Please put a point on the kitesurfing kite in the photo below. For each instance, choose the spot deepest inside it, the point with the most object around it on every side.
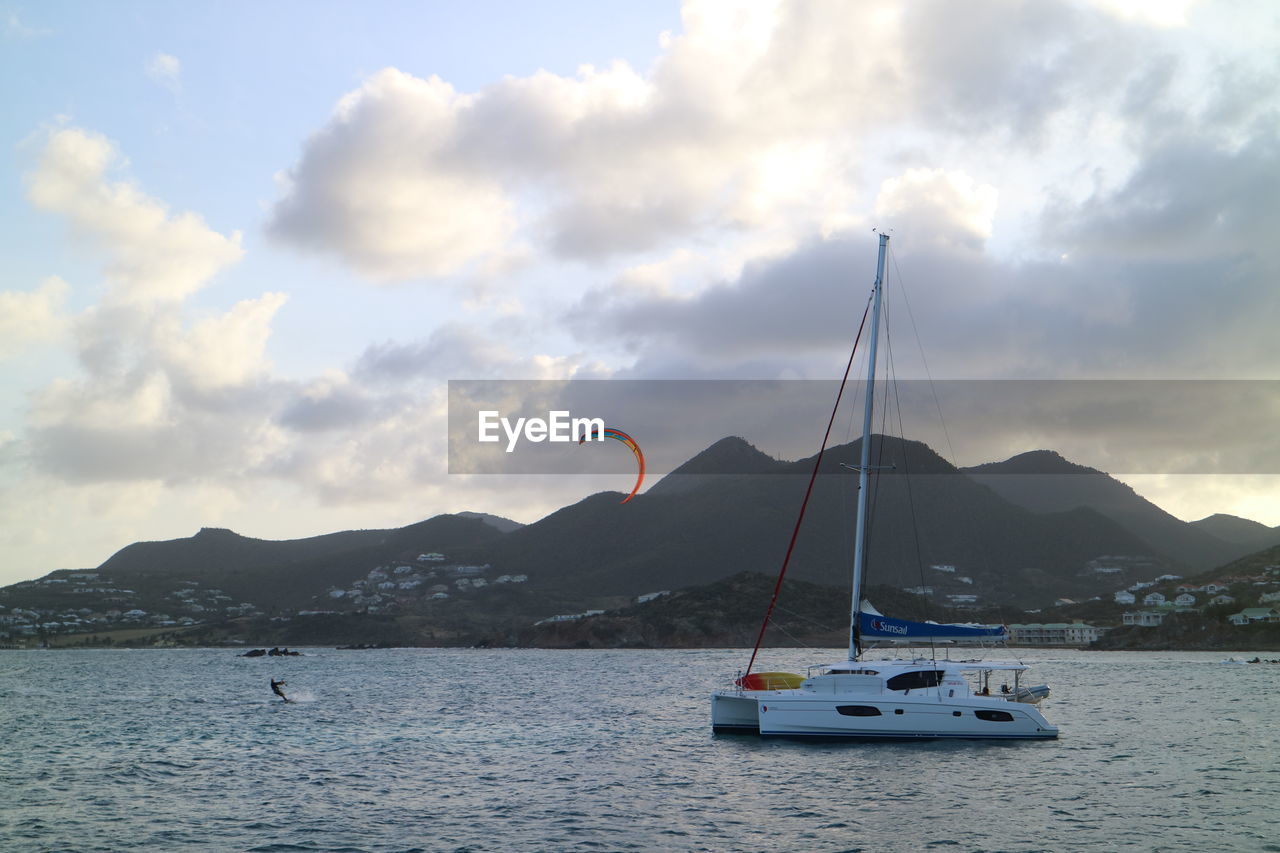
(619, 435)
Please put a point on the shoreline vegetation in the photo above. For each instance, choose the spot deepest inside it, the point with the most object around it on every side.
(1187, 633)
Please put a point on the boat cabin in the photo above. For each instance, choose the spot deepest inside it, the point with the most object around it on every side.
(947, 678)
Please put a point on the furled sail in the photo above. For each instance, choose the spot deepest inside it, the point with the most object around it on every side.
(873, 626)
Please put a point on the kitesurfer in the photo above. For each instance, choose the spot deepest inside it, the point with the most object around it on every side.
(275, 688)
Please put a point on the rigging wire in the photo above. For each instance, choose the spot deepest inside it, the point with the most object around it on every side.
(906, 468)
(823, 626)
(795, 533)
(979, 542)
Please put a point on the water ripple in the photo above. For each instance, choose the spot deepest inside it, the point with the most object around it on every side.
(400, 751)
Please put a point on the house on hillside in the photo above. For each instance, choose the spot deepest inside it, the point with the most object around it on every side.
(1185, 600)
(1125, 597)
(1225, 599)
(1255, 614)
(1153, 598)
(1144, 618)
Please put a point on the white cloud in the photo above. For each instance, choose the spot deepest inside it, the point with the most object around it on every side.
(1162, 13)
(15, 28)
(367, 187)
(945, 208)
(32, 316)
(411, 178)
(221, 352)
(154, 256)
(768, 118)
(158, 397)
(166, 71)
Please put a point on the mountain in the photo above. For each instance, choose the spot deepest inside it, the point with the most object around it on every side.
(502, 525)
(732, 455)
(926, 512)
(287, 573)
(1044, 482)
(1017, 534)
(1243, 531)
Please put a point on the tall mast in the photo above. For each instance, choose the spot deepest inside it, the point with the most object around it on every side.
(864, 465)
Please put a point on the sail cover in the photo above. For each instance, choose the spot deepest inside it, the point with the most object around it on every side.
(873, 626)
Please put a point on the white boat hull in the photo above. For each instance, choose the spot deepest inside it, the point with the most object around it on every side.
(734, 713)
(804, 714)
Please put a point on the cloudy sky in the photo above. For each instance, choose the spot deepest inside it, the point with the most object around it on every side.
(246, 245)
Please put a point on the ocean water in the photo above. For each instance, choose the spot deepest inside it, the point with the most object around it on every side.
(479, 750)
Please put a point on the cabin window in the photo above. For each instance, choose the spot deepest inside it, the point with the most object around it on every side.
(897, 710)
(915, 680)
(854, 672)
(955, 713)
(858, 710)
(994, 716)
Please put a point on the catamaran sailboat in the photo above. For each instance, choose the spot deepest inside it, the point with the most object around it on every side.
(903, 699)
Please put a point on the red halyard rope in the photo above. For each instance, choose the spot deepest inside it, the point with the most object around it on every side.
(817, 463)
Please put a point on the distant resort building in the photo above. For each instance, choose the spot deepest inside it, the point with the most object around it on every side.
(1145, 618)
(1125, 597)
(1054, 634)
(1153, 598)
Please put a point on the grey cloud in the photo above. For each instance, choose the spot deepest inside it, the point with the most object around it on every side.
(1096, 315)
(192, 451)
(451, 350)
(1189, 198)
(334, 409)
(979, 67)
(803, 300)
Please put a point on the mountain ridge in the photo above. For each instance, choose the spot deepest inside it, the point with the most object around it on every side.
(958, 533)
